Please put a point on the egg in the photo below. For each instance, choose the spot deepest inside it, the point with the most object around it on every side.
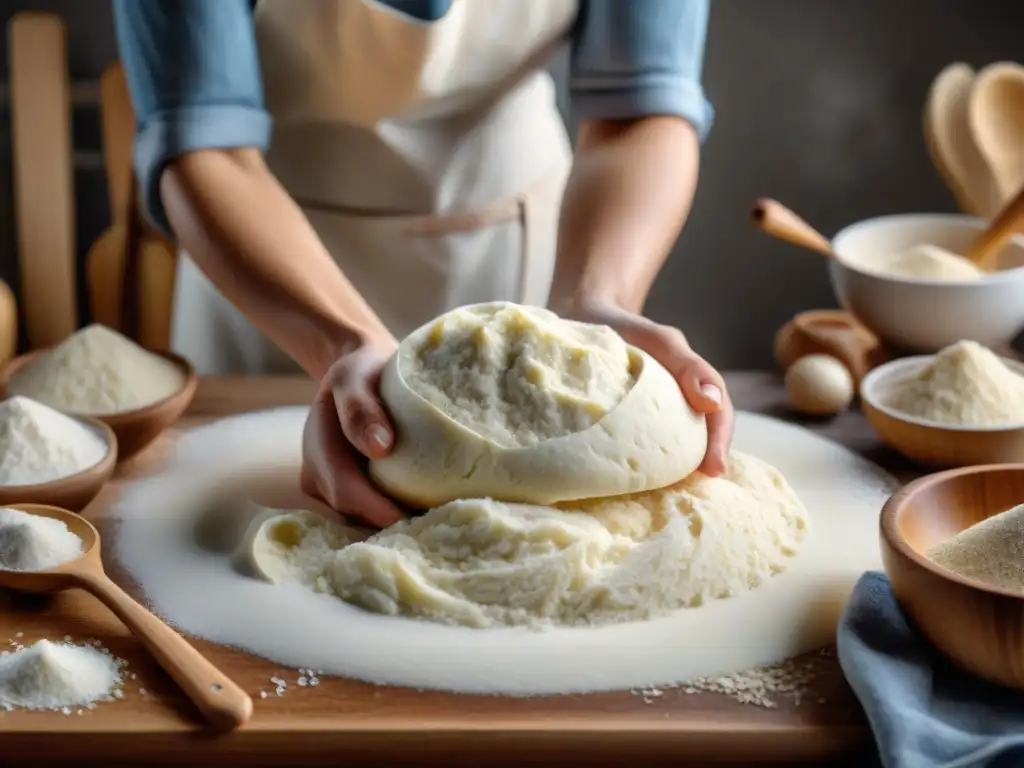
(819, 385)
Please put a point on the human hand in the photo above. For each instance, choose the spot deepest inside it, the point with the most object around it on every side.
(347, 424)
(701, 384)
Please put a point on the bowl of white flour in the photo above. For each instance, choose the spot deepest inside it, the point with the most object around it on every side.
(961, 407)
(48, 457)
(905, 278)
(99, 373)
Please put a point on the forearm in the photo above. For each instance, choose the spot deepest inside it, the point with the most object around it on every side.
(256, 246)
(626, 201)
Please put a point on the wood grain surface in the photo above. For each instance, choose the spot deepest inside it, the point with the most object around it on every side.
(343, 722)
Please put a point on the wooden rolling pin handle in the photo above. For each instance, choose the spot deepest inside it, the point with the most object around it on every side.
(780, 222)
(222, 702)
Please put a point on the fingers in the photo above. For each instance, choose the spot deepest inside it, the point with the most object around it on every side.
(348, 492)
(359, 411)
(720, 428)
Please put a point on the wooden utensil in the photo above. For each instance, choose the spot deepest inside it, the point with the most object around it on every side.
(996, 119)
(158, 266)
(134, 429)
(985, 636)
(76, 491)
(8, 323)
(105, 261)
(781, 223)
(986, 249)
(43, 179)
(222, 702)
(951, 144)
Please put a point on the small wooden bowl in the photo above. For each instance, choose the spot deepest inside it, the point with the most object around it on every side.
(134, 429)
(932, 443)
(980, 628)
(75, 491)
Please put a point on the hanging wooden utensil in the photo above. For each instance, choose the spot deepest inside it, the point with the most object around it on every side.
(43, 176)
(106, 259)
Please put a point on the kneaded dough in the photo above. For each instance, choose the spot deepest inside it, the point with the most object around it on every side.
(482, 563)
(513, 403)
(292, 546)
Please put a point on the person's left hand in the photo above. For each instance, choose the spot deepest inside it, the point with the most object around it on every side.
(701, 384)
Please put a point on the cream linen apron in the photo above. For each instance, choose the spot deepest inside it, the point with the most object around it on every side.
(429, 157)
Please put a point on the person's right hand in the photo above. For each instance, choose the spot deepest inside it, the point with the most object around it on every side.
(346, 423)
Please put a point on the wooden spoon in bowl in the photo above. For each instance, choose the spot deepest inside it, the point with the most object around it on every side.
(985, 250)
(781, 223)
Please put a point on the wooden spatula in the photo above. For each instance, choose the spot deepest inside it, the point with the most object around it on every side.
(985, 250)
(43, 177)
(106, 259)
(996, 114)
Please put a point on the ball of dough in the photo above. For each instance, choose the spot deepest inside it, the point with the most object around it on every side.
(819, 385)
(513, 403)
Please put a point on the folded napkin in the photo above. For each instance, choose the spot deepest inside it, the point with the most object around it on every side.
(924, 712)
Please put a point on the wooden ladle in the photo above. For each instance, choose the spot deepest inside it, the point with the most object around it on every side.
(985, 250)
(952, 147)
(222, 702)
(996, 119)
(781, 223)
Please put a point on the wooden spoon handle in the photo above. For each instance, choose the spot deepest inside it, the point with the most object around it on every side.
(1007, 222)
(780, 222)
(222, 702)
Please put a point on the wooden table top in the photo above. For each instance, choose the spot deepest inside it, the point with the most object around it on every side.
(361, 724)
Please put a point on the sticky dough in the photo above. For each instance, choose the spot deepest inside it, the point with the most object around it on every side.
(513, 403)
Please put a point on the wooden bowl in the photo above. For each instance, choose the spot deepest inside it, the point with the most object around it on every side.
(980, 628)
(933, 443)
(75, 491)
(134, 429)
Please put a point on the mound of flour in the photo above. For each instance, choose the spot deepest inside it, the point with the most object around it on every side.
(39, 444)
(56, 676)
(966, 384)
(34, 543)
(97, 371)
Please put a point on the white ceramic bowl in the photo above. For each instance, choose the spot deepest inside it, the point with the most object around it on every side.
(925, 315)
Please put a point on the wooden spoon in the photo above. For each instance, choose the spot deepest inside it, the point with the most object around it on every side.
(951, 144)
(996, 119)
(985, 250)
(222, 702)
(106, 258)
(43, 180)
(781, 223)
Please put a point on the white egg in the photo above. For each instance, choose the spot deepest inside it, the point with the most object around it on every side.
(819, 385)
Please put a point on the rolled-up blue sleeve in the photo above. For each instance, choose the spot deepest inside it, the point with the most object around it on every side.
(193, 72)
(635, 58)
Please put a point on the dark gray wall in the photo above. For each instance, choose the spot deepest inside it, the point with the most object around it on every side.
(818, 104)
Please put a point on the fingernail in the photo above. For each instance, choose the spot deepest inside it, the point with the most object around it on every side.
(711, 392)
(379, 437)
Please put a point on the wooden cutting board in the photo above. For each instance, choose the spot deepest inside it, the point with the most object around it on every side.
(43, 177)
(354, 722)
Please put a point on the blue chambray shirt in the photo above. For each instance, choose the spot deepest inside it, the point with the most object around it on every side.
(194, 74)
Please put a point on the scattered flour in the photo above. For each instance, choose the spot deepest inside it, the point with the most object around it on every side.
(521, 375)
(58, 676)
(39, 444)
(991, 551)
(97, 371)
(480, 563)
(966, 385)
(924, 261)
(33, 542)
